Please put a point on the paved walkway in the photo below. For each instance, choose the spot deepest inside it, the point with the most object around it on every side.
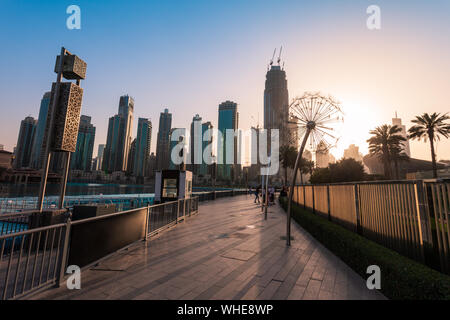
(227, 251)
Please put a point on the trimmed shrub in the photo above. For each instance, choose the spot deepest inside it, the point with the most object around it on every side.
(401, 277)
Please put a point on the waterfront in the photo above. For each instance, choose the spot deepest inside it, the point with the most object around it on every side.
(73, 189)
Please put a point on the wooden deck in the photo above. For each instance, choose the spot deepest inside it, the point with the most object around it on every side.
(227, 251)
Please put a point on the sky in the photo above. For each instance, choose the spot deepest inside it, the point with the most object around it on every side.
(189, 56)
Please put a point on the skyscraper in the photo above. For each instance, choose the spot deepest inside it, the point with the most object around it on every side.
(118, 141)
(174, 141)
(228, 119)
(162, 143)
(196, 143)
(25, 142)
(37, 154)
(142, 148)
(398, 122)
(100, 151)
(81, 159)
(276, 105)
(208, 140)
(131, 157)
(353, 152)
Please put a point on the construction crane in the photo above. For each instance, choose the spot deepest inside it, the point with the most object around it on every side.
(279, 56)
(273, 56)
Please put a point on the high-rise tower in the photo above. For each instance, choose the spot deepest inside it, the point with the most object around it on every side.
(142, 148)
(37, 154)
(24, 143)
(398, 122)
(276, 104)
(228, 119)
(118, 141)
(162, 143)
(81, 159)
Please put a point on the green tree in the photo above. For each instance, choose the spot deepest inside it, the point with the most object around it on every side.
(345, 170)
(306, 166)
(288, 155)
(430, 127)
(320, 175)
(384, 140)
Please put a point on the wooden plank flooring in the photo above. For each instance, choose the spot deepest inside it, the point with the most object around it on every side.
(227, 251)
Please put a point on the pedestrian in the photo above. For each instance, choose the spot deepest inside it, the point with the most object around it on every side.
(257, 194)
(272, 195)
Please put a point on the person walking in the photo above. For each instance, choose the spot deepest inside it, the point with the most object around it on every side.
(257, 194)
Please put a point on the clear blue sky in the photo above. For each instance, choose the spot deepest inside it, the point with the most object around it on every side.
(191, 55)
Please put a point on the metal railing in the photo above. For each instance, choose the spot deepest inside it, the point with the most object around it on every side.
(30, 260)
(438, 195)
(408, 216)
(34, 259)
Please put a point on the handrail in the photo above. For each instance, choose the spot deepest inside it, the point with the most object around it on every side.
(35, 230)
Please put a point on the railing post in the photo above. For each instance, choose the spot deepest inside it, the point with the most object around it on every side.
(147, 218)
(178, 210)
(328, 202)
(423, 217)
(65, 253)
(313, 200)
(357, 211)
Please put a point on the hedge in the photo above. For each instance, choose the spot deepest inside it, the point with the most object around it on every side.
(401, 277)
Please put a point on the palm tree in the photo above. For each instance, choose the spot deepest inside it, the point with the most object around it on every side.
(384, 140)
(288, 155)
(397, 155)
(430, 126)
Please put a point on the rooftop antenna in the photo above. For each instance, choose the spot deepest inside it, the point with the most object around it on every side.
(279, 56)
(396, 114)
(273, 56)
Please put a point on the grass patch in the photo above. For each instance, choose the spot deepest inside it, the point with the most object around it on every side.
(401, 277)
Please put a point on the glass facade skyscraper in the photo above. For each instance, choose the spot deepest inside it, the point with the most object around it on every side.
(37, 154)
(162, 143)
(142, 148)
(24, 143)
(118, 141)
(81, 159)
(228, 119)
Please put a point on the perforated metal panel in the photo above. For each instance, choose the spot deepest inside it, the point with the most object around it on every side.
(67, 117)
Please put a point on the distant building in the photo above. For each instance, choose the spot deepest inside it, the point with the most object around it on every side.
(2, 147)
(37, 152)
(323, 156)
(118, 142)
(142, 148)
(276, 105)
(398, 122)
(228, 119)
(196, 144)
(81, 159)
(162, 143)
(151, 166)
(208, 141)
(25, 143)
(131, 157)
(353, 152)
(6, 158)
(100, 151)
(174, 141)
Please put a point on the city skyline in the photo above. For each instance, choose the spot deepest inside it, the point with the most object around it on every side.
(383, 76)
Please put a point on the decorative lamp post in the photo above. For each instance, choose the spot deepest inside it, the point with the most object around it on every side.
(63, 117)
(318, 118)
